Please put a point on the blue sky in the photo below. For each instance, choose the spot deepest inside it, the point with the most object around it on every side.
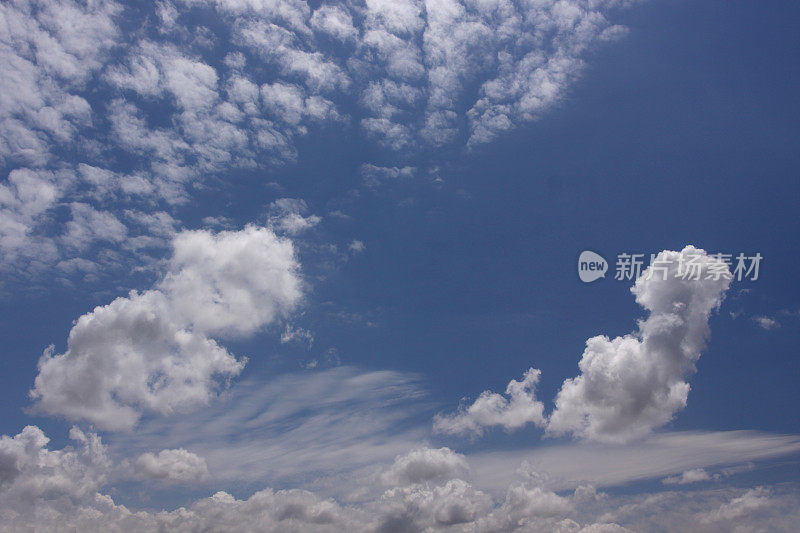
(346, 221)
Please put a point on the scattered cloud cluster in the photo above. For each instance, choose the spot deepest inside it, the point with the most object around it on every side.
(152, 351)
(628, 385)
(108, 107)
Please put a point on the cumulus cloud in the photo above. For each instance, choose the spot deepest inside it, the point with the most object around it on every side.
(179, 466)
(232, 283)
(149, 351)
(425, 465)
(751, 502)
(30, 472)
(492, 409)
(632, 384)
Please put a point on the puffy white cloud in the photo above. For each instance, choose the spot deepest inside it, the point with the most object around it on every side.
(29, 471)
(177, 465)
(429, 507)
(149, 351)
(524, 506)
(492, 409)
(127, 357)
(632, 384)
(751, 502)
(232, 283)
(425, 465)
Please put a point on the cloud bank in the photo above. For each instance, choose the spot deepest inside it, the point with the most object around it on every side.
(425, 489)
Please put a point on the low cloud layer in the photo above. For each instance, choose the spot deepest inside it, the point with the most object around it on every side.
(426, 489)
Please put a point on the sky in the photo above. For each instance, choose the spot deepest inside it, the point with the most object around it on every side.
(276, 265)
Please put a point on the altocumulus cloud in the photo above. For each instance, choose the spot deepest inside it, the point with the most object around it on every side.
(628, 385)
(151, 351)
(406, 74)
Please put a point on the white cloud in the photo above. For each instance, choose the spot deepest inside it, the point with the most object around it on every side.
(492, 409)
(632, 384)
(30, 472)
(412, 68)
(291, 334)
(232, 283)
(695, 475)
(294, 427)
(334, 21)
(749, 503)
(571, 464)
(374, 176)
(149, 351)
(24, 200)
(286, 215)
(89, 225)
(50, 49)
(127, 357)
(424, 489)
(766, 323)
(425, 465)
(356, 246)
(178, 466)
